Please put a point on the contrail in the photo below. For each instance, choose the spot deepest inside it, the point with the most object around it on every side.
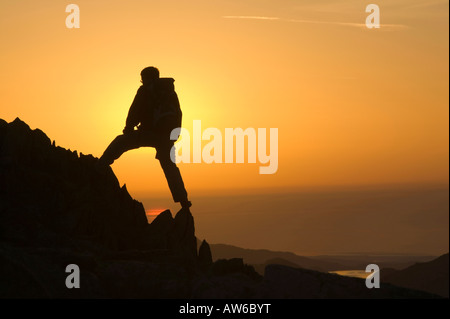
(348, 24)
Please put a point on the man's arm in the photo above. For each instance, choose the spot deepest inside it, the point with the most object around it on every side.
(133, 114)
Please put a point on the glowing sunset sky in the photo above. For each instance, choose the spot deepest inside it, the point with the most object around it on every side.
(352, 105)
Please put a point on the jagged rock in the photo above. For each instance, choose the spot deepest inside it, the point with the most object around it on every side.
(204, 255)
(185, 232)
(54, 190)
(177, 234)
(235, 265)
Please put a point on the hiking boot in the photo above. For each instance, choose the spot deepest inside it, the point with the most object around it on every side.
(186, 204)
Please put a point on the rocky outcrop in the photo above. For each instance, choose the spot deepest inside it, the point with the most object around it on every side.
(204, 255)
(58, 207)
(48, 192)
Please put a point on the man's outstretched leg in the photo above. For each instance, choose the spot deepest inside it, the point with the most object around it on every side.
(120, 145)
(173, 176)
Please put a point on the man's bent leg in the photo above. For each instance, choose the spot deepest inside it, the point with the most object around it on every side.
(120, 145)
(173, 176)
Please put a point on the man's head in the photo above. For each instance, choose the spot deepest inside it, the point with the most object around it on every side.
(149, 74)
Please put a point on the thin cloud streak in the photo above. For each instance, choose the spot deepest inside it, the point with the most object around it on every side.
(348, 24)
(251, 17)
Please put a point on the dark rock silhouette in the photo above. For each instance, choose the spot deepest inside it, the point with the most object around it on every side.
(66, 194)
(59, 208)
(204, 255)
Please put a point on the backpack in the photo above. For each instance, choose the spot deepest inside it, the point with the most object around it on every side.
(167, 113)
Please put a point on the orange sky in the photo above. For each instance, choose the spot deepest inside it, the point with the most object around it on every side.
(352, 105)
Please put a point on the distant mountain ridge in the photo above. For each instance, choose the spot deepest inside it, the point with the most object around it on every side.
(320, 263)
(262, 256)
(431, 276)
(58, 207)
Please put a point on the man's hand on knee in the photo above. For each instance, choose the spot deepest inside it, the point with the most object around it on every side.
(128, 130)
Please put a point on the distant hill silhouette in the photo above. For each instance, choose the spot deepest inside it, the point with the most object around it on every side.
(263, 256)
(58, 207)
(260, 257)
(261, 268)
(430, 276)
(360, 261)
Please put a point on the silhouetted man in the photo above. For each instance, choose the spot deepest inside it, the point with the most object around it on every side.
(155, 112)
